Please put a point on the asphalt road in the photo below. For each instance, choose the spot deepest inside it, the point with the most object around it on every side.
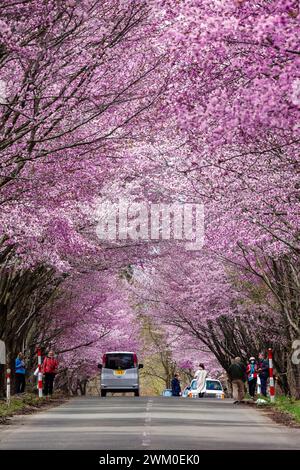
(147, 423)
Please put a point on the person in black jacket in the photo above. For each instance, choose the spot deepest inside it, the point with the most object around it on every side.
(263, 372)
(175, 384)
(237, 376)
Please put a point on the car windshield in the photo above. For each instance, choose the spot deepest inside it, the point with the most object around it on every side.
(213, 385)
(119, 361)
(194, 385)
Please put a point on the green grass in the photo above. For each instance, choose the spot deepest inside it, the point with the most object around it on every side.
(288, 405)
(19, 404)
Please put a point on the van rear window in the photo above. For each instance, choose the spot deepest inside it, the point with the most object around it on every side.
(119, 361)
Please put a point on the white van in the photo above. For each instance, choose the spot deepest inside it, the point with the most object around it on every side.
(120, 372)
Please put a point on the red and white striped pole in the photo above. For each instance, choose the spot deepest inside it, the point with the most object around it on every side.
(8, 386)
(40, 374)
(272, 384)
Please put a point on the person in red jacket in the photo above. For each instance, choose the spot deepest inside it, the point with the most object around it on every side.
(252, 376)
(49, 369)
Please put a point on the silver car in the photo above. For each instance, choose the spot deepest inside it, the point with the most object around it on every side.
(120, 372)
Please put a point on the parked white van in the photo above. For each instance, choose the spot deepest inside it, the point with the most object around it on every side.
(120, 372)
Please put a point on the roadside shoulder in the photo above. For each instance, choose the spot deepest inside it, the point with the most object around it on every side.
(27, 404)
(285, 410)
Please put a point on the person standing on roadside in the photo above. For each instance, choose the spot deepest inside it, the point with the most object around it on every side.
(20, 372)
(175, 384)
(237, 377)
(200, 376)
(263, 372)
(49, 369)
(252, 376)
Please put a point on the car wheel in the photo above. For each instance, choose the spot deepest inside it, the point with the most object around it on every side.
(136, 393)
(103, 393)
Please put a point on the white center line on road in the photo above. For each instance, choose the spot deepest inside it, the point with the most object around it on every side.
(146, 441)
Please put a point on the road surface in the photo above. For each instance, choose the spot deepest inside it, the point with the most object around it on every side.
(147, 423)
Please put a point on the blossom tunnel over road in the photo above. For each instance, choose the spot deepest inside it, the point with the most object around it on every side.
(141, 104)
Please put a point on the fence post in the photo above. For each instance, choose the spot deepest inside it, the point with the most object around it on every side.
(272, 384)
(8, 386)
(40, 375)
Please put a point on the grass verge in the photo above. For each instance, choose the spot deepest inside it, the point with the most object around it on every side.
(284, 410)
(26, 404)
(289, 406)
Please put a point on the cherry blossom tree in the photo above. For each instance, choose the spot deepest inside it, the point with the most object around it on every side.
(150, 101)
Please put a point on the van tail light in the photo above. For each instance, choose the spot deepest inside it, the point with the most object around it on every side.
(135, 361)
(104, 360)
